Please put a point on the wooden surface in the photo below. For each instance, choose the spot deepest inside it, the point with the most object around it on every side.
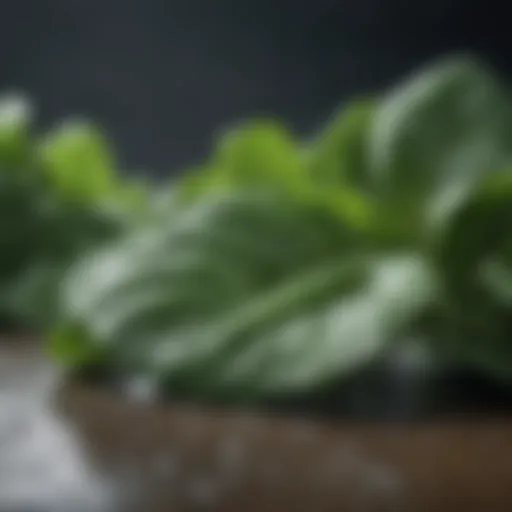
(62, 445)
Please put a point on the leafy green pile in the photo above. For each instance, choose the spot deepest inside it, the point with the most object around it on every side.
(279, 265)
(60, 195)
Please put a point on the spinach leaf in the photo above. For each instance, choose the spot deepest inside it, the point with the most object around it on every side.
(278, 264)
(473, 259)
(265, 157)
(339, 155)
(261, 154)
(245, 294)
(437, 133)
(58, 198)
(78, 161)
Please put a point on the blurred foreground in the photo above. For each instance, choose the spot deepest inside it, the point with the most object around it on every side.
(77, 448)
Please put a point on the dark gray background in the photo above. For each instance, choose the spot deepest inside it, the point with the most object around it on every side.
(161, 75)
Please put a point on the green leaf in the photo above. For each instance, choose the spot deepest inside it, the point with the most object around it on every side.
(33, 296)
(497, 276)
(264, 156)
(338, 156)
(255, 156)
(58, 235)
(345, 333)
(444, 127)
(70, 343)
(59, 197)
(79, 162)
(477, 230)
(338, 168)
(245, 295)
(260, 153)
(471, 254)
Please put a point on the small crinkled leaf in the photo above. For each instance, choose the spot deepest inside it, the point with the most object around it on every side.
(78, 161)
(214, 300)
(260, 153)
(253, 157)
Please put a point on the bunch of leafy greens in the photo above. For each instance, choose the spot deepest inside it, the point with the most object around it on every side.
(279, 265)
(60, 196)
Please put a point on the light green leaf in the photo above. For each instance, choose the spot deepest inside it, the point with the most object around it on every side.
(264, 156)
(255, 156)
(79, 162)
(260, 153)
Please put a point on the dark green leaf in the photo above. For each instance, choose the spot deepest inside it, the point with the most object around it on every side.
(444, 127)
(472, 252)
